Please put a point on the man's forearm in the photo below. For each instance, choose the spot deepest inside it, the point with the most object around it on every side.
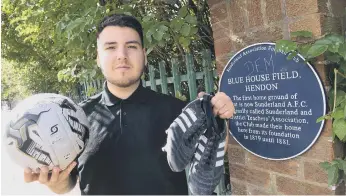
(65, 186)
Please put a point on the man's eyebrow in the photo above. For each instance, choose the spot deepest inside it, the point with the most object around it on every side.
(110, 43)
(128, 42)
(134, 42)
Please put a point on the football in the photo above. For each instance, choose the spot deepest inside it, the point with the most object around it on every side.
(45, 130)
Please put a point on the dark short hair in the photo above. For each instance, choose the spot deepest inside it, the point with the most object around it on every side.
(121, 20)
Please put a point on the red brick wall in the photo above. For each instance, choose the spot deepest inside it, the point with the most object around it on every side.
(239, 23)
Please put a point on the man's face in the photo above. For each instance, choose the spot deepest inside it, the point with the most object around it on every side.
(120, 55)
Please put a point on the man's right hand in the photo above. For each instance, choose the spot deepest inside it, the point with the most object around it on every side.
(59, 181)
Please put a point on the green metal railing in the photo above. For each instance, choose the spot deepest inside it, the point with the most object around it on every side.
(191, 77)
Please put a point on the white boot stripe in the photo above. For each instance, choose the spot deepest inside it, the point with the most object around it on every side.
(198, 156)
(222, 144)
(220, 153)
(204, 139)
(219, 163)
(192, 115)
(181, 125)
(187, 121)
(201, 148)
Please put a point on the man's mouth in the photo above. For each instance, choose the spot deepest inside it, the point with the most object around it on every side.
(122, 67)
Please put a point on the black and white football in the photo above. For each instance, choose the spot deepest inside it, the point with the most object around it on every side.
(46, 129)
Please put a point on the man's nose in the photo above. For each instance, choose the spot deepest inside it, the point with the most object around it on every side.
(121, 53)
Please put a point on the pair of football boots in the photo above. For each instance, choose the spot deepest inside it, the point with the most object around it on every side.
(196, 139)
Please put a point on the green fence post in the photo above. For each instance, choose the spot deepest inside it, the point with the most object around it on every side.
(85, 88)
(93, 85)
(152, 78)
(102, 82)
(163, 77)
(208, 73)
(99, 86)
(176, 77)
(191, 77)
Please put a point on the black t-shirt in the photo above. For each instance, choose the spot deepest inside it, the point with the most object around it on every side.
(123, 154)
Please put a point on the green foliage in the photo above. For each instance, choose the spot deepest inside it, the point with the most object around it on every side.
(60, 36)
(333, 169)
(332, 43)
(306, 34)
(285, 46)
(18, 82)
(181, 96)
(8, 86)
(91, 91)
(339, 128)
(333, 48)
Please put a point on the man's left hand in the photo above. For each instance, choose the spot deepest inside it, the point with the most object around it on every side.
(222, 105)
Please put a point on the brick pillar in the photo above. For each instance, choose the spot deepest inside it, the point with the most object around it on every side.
(239, 23)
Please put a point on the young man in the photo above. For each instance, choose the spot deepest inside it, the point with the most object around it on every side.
(127, 124)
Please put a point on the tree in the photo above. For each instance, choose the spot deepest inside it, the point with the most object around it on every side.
(58, 38)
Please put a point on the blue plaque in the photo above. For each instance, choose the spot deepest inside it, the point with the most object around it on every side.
(277, 102)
